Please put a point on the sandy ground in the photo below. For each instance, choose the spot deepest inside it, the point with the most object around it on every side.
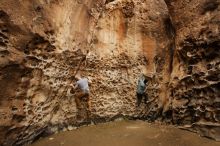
(126, 133)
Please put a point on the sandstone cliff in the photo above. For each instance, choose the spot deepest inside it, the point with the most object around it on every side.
(44, 43)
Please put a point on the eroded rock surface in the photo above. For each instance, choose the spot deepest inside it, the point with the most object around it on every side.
(44, 43)
(195, 80)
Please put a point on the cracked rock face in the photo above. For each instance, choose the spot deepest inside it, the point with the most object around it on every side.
(44, 43)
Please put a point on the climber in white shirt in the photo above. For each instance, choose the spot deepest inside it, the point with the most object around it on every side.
(82, 99)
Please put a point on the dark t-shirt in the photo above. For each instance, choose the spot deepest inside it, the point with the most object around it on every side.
(141, 86)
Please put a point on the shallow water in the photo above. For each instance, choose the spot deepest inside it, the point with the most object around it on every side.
(126, 133)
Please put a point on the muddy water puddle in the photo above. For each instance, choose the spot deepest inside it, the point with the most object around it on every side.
(126, 133)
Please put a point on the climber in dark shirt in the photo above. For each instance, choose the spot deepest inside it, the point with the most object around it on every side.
(141, 86)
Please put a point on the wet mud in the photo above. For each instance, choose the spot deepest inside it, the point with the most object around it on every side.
(126, 133)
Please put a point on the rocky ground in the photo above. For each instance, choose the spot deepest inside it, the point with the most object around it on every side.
(44, 43)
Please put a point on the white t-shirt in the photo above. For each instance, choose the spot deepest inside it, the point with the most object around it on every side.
(83, 85)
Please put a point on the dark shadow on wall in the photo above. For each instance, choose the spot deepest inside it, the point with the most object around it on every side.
(210, 5)
(171, 33)
(108, 1)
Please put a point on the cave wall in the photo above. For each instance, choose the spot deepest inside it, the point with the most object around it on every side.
(194, 86)
(43, 44)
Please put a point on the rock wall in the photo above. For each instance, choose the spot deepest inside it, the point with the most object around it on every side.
(195, 78)
(44, 43)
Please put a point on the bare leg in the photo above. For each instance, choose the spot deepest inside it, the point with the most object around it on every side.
(88, 106)
(78, 97)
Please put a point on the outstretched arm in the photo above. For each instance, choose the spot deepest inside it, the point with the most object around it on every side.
(75, 86)
(89, 80)
(73, 89)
